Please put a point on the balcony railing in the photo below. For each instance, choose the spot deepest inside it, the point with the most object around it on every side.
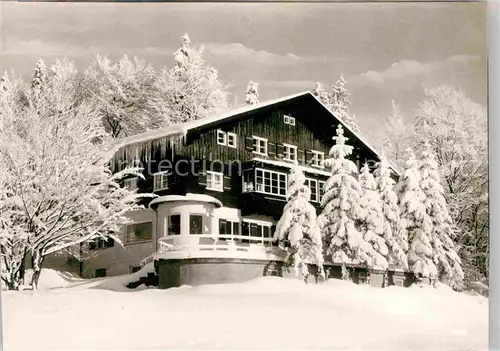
(215, 246)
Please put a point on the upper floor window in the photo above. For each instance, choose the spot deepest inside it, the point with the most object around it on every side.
(321, 186)
(290, 152)
(215, 181)
(270, 182)
(139, 232)
(260, 145)
(231, 140)
(318, 158)
(130, 183)
(289, 120)
(221, 137)
(160, 181)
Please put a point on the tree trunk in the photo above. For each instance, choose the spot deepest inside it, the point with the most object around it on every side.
(36, 261)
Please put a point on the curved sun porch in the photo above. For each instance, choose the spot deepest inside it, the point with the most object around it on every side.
(187, 226)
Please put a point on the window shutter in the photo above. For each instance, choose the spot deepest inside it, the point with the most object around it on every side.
(309, 156)
(248, 144)
(280, 150)
(300, 156)
(271, 149)
(202, 179)
(227, 183)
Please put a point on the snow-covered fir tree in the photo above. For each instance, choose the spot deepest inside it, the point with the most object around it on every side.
(342, 214)
(396, 237)
(444, 248)
(39, 76)
(321, 94)
(191, 90)
(339, 102)
(415, 220)
(57, 189)
(252, 93)
(298, 229)
(373, 224)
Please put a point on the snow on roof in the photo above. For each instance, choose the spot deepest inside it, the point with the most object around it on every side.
(179, 131)
(187, 197)
(290, 165)
(182, 128)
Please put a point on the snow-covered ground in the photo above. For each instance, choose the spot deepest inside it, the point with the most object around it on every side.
(69, 313)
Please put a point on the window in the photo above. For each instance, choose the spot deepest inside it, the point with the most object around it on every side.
(100, 272)
(289, 120)
(215, 181)
(321, 185)
(174, 225)
(195, 224)
(290, 152)
(318, 158)
(313, 186)
(130, 183)
(100, 243)
(270, 182)
(228, 228)
(221, 137)
(160, 181)
(139, 232)
(260, 145)
(257, 232)
(231, 140)
(133, 269)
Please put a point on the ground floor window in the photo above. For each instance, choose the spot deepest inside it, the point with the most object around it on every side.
(228, 227)
(134, 269)
(174, 224)
(258, 233)
(195, 224)
(139, 232)
(100, 272)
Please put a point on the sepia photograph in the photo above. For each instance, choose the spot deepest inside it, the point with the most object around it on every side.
(173, 175)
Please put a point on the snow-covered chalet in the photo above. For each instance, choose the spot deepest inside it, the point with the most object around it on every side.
(221, 188)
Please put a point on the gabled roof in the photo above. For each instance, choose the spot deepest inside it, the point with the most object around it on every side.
(179, 131)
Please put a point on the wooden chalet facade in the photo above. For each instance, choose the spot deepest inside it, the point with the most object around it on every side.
(221, 186)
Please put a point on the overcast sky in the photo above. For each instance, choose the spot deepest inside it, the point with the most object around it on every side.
(385, 51)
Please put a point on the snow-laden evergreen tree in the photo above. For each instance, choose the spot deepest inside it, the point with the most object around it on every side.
(57, 188)
(191, 90)
(339, 101)
(125, 94)
(321, 94)
(252, 94)
(396, 237)
(415, 220)
(342, 214)
(298, 229)
(444, 248)
(373, 224)
(456, 128)
(39, 76)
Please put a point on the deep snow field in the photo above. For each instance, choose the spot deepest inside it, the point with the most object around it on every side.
(69, 313)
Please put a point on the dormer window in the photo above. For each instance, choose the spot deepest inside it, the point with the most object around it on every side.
(318, 158)
(221, 137)
(290, 152)
(259, 145)
(289, 120)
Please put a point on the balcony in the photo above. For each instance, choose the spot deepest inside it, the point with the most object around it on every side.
(216, 246)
